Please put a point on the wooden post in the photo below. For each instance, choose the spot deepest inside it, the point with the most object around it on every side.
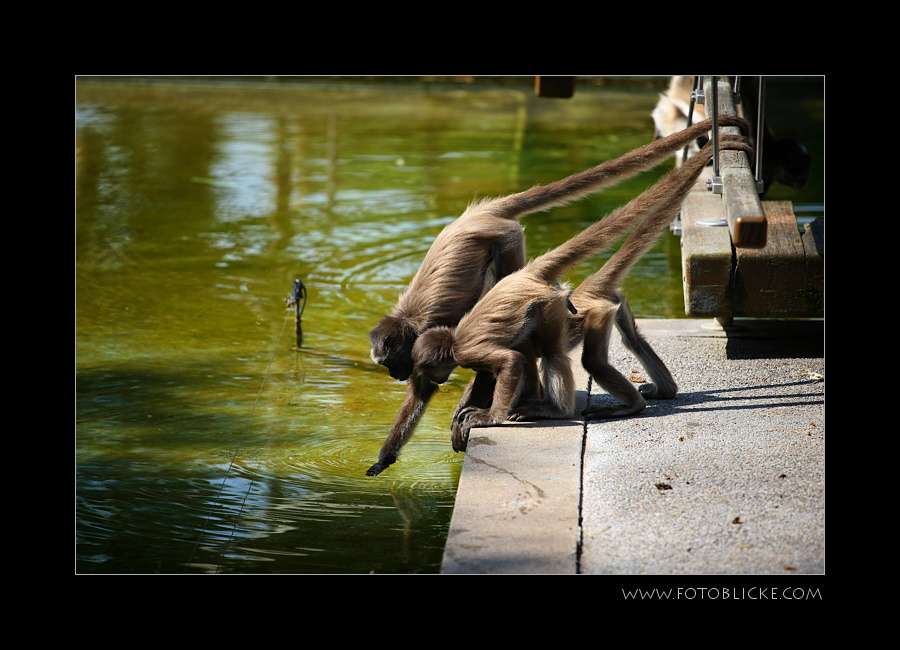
(554, 86)
(707, 270)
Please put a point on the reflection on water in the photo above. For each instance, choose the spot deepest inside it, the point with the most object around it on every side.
(202, 436)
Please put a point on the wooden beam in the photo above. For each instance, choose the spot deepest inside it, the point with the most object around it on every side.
(743, 209)
(706, 255)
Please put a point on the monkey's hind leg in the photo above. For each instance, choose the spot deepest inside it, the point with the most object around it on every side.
(507, 388)
(478, 394)
(557, 398)
(595, 359)
(663, 385)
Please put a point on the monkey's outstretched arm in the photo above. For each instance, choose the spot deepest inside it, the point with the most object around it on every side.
(419, 391)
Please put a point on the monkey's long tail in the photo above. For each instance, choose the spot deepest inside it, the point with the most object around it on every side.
(607, 174)
(653, 209)
(660, 204)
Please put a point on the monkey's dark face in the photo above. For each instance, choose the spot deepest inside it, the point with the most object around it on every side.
(392, 343)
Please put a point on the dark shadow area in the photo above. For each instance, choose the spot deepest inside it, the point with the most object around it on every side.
(775, 339)
(719, 400)
(809, 348)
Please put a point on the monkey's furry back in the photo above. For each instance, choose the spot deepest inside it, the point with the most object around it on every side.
(430, 298)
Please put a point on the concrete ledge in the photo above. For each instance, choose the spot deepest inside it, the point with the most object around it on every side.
(517, 510)
(727, 478)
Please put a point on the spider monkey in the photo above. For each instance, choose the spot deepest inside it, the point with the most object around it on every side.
(470, 255)
(532, 304)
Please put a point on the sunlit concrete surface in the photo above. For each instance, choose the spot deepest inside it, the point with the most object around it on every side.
(727, 478)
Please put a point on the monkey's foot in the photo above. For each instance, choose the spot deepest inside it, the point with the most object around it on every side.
(519, 416)
(527, 409)
(609, 412)
(652, 391)
(467, 419)
(538, 412)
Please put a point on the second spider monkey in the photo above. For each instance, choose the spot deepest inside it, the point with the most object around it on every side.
(531, 305)
(470, 256)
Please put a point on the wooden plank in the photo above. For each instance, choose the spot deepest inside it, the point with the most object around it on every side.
(706, 262)
(786, 279)
(743, 209)
(773, 282)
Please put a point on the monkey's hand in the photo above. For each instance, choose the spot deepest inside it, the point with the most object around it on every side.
(385, 461)
(464, 421)
(376, 469)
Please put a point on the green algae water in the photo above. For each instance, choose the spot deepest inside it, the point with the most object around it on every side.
(206, 441)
